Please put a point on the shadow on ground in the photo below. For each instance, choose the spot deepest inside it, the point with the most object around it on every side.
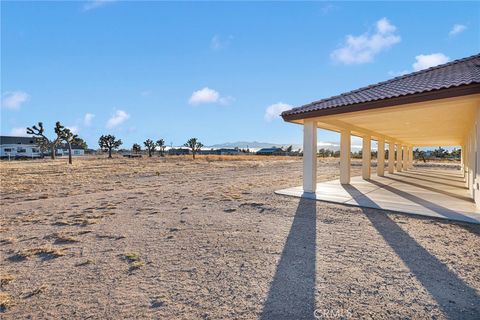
(292, 291)
(456, 299)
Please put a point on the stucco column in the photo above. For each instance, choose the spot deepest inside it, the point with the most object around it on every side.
(462, 159)
(391, 157)
(381, 158)
(366, 157)
(405, 158)
(345, 156)
(476, 166)
(399, 157)
(309, 156)
(410, 157)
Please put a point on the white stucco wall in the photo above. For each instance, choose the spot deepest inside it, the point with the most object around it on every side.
(472, 158)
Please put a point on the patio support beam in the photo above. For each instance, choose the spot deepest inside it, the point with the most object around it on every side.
(410, 157)
(338, 125)
(405, 158)
(391, 157)
(366, 157)
(345, 156)
(381, 158)
(309, 156)
(399, 157)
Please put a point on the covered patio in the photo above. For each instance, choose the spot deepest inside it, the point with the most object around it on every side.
(439, 106)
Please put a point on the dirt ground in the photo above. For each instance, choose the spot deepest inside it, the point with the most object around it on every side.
(208, 239)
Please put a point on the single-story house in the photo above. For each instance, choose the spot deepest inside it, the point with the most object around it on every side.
(178, 151)
(273, 151)
(18, 147)
(438, 106)
(25, 147)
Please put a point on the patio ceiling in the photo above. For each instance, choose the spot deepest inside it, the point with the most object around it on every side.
(442, 122)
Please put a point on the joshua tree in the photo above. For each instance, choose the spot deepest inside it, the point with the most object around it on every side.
(80, 142)
(136, 148)
(161, 146)
(150, 145)
(41, 139)
(108, 143)
(194, 145)
(67, 136)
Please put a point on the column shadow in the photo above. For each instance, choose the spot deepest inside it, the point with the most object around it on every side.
(292, 290)
(418, 185)
(443, 211)
(455, 297)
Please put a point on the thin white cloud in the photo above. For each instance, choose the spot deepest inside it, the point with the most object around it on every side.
(145, 93)
(95, 4)
(207, 95)
(456, 29)
(218, 42)
(13, 100)
(117, 119)
(273, 111)
(225, 101)
(88, 119)
(424, 61)
(19, 132)
(364, 48)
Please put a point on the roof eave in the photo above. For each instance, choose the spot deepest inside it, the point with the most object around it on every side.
(463, 90)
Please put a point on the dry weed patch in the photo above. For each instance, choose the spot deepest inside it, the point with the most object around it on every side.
(5, 279)
(6, 301)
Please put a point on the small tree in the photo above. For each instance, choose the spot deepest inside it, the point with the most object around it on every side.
(81, 143)
(41, 139)
(109, 143)
(150, 145)
(136, 148)
(67, 136)
(161, 146)
(194, 145)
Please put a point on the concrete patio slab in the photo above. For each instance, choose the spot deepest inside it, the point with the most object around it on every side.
(432, 193)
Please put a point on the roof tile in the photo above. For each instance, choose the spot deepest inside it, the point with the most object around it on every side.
(453, 74)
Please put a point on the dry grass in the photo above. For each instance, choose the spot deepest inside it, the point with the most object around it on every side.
(176, 238)
(6, 301)
(134, 260)
(45, 252)
(5, 279)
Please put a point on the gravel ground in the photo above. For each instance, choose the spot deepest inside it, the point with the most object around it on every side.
(208, 239)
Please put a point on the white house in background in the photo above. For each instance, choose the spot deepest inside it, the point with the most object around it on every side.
(62, 150)
(18, 147)
(25, 147)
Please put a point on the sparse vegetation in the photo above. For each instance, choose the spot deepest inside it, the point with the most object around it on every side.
(134, 260)
(5, 279)
(43, 142)
(194, 145)
(161, 147)
(109, 143)
(132, 256)
(150, 145)
(136, 148)
(68, 137)
(6, 301)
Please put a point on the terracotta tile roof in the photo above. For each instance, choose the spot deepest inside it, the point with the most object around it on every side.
(458, 73)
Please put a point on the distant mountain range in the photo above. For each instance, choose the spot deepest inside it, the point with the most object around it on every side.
(247, 144)
(258, 145)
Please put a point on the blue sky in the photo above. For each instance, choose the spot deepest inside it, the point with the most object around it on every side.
(219, 71)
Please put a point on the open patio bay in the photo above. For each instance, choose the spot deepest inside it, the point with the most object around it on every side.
(439, 106)
(425, 192)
